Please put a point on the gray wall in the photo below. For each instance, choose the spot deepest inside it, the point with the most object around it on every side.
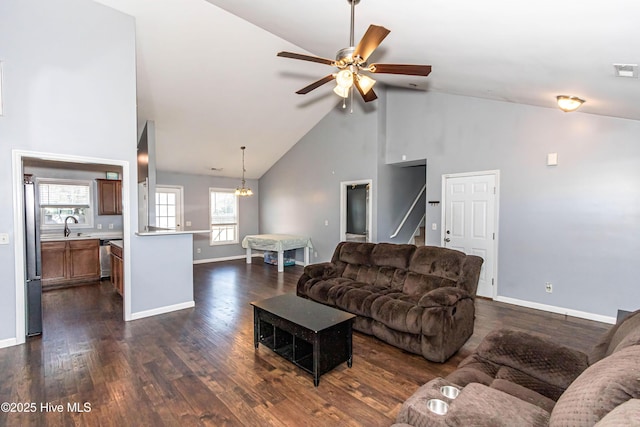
(196, 210)
(302, 189)
(69, 89)
(575, 225)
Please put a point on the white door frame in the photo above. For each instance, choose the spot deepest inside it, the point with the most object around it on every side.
(496, 219)
(343, 208)
(18, 227)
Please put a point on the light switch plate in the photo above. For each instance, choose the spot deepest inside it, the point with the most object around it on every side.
(4, 239)
(552, 159)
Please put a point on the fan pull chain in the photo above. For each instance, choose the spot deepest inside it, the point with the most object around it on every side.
(344, 103)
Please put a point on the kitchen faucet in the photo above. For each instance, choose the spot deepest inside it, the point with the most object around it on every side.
(66, 225)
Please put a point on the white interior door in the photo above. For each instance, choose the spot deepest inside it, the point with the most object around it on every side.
(168, 207)
(470, 212)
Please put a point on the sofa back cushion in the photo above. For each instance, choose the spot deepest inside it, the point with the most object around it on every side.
(354, 253)
(622, 335)
(599, 389)
(436, 261)
(392, 255)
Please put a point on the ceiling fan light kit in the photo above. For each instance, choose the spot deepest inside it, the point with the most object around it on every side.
(352, 62)
(569, 103)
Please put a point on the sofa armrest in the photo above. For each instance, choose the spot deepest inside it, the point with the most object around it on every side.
(323, 270)
(443, 297)
(475, 405)
(545, 360)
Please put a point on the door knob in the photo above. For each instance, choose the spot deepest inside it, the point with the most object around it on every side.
(447, 240)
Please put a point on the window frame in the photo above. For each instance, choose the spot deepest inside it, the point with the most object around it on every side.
(236, 225)
(72, 225)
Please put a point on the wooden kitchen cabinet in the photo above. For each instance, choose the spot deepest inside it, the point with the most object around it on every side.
(69, 262)
(117, 270)
(109, 196)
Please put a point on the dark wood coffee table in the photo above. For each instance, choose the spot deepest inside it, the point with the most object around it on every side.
(312, 336)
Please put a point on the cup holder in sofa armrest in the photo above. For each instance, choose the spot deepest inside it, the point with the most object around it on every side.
(437, 406)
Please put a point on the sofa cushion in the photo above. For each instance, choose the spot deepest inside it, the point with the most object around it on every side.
(419, 284)
(599, 389)
(392, 255)
(356, 253)
(479, 405)
(622, 335)
(625, 415)
(398, 311)
(551, 363)
(524, 393)
(437, 261)
(359, 297)
(518, 377)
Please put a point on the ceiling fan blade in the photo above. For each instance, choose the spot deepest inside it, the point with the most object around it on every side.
(369, 96)
(370, 41)
(407, 69)
(306, 57)
(316, 84)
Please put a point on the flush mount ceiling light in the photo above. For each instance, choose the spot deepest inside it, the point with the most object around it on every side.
(243, 191)
(569, 103)
(352, 62)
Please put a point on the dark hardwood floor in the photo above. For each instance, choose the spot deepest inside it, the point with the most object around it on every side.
(199, 367)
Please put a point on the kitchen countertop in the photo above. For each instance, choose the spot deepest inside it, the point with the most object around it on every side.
(118, 243)
(79, 236)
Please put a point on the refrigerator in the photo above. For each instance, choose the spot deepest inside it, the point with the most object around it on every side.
(33, 285)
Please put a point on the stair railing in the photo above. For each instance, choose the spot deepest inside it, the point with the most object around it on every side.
(413, 205)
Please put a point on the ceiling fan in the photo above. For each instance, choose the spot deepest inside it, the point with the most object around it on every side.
(352, 62)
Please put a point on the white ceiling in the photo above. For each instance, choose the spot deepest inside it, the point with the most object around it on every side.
(209, 77)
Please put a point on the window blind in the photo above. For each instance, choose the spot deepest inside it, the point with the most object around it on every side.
(54, 194)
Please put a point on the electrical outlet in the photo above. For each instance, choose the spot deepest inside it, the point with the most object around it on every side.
(434, 226)
(99, 226)
(198, 250)
(4, 239)
(110, 226)
(548, 286)
(188, 223)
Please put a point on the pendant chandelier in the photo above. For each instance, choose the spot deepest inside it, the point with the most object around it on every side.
(243, 191)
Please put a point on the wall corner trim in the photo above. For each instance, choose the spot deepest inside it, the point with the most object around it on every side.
(162, 310)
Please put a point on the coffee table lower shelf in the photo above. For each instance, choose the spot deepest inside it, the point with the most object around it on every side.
(314, 351)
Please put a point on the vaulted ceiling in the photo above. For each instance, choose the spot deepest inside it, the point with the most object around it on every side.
(209, 78)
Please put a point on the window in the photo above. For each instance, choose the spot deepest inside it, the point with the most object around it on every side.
(60, 199)
(168, 207)
(224, 216)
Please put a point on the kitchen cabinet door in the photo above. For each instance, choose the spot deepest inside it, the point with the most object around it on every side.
(54, 262)
(109, 197)
(84, 259)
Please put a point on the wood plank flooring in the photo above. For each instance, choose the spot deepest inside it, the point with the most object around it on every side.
(198, 367)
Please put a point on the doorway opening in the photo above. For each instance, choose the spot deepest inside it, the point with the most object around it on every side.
(19, 159)
(470, 221)
(355, 210)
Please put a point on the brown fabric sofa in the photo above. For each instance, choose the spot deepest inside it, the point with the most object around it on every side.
(517, 379)
(420, 299)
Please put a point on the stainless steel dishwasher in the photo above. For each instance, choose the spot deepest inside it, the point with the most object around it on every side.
(105, 258)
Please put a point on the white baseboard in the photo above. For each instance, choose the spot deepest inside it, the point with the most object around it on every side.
(558, 310)
(162, 310)
(227, 258)
(9, 342)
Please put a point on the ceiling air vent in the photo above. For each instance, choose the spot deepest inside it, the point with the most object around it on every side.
(626, 70)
